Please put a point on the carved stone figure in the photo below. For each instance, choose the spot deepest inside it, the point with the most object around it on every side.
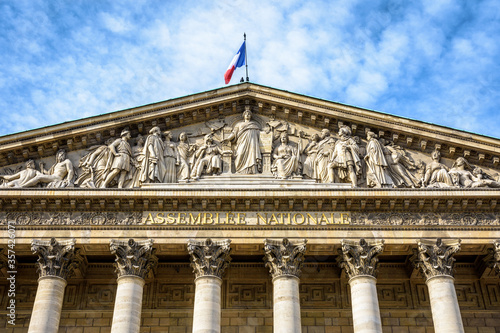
(137, 162)
(61, 174)
(185, 152)
(311, 152)
(483, 180)
(376, 174)
(463, 177)
(122, 153)
(436, 173)
(208, 158)
(399, 165)
(169, 156)
(248, 157)
(325, 148)
(286, 159)
(94, 166)
(345, 157)
(20, 178)
(153, 165)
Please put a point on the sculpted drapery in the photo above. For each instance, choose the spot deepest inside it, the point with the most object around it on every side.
(247, 152)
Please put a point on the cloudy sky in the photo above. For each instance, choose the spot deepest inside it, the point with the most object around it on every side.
(432, 60)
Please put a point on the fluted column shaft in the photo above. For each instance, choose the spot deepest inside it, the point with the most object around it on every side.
(134, 260)
(284, 260)
(55, 264)
(435, 260)
(209, 260)
(359, 259)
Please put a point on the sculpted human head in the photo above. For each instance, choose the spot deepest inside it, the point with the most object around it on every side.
(61, 155)
(168, 134)
(325, 133)
(140, 140)
(370, 135)
(284, 137)
(209, 138)
(247, 114)
(315, 137)
(155, 130)
(345, 131)
(182, 136)
(125, 134)
(30, 164)
(436, 155)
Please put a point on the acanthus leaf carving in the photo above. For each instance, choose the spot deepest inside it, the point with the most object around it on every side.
(435, 258)
(55, 258)
(209, 257)
(133, 257)
(284, 257)
(360, 258)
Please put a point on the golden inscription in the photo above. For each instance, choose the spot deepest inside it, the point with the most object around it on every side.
(246, 218)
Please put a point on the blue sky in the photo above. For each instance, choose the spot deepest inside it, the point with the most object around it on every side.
(436, 61)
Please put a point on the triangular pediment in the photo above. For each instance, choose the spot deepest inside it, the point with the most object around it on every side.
(275, 112)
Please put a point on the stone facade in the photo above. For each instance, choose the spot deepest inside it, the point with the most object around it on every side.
(249, 209)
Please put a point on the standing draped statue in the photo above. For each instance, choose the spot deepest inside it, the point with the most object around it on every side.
(153, 165)
(246, 133)
(376, 173)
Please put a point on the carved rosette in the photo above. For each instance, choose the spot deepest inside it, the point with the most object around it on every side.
(435, 258)
(133, 257)
(360, 258)
(209, 257)
(284, 257)
(55, 258)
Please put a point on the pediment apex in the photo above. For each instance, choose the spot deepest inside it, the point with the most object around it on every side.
(265, 101)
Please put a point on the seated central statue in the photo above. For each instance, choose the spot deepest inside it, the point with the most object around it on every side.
(286, 159)
(207, 157)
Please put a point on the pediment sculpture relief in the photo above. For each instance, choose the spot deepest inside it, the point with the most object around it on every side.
(249, 145)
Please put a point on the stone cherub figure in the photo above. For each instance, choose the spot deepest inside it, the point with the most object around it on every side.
(61, 174)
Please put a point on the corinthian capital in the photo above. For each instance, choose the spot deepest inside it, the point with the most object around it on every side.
(133, 257)
(55, 258)
(360, 258)
(492, 260)
(284, 257)
(435, 258)
(209, 257)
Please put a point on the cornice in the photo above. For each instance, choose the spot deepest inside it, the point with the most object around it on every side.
(305, 110)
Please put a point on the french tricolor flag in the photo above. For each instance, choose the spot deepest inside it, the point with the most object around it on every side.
(238, 61)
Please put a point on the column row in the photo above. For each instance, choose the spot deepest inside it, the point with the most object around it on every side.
(135, 260)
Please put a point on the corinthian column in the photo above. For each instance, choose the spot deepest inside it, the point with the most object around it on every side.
(55, 264)
(284, 260)
(134, 260)
(435, 260)
(209, 260)
(359, 259)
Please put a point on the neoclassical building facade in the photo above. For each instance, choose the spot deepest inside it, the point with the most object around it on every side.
(249, 209)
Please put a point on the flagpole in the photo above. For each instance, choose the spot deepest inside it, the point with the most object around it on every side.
(246, 61)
